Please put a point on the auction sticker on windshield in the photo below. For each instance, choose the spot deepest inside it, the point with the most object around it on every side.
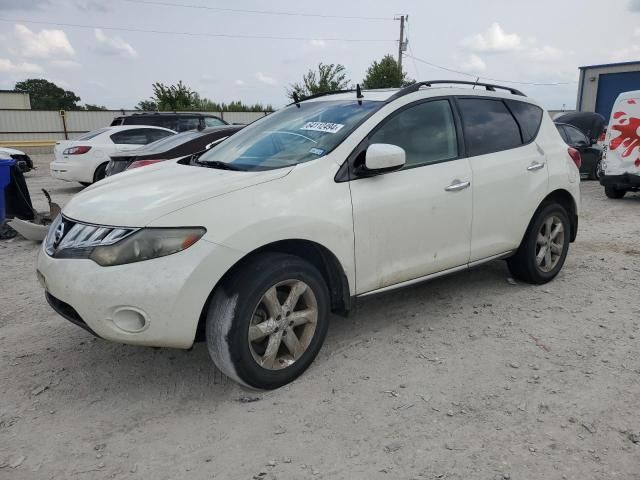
(323, 127)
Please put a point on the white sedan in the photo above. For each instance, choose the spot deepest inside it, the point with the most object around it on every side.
(85, 159)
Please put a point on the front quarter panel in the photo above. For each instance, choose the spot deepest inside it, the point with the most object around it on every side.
(306, 204)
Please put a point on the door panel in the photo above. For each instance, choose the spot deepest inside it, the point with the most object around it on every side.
(406, 225)
(506, 191)
(509, 179)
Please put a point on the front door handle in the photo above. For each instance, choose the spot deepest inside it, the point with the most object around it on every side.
(535, 166)
(457, 185)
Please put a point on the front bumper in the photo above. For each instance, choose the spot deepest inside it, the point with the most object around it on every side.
(165, 295)
(626, 181)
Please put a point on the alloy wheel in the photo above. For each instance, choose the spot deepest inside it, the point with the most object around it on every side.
(550, 243)
(283, 324)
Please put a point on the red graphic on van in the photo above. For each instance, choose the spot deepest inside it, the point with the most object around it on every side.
(629, 138)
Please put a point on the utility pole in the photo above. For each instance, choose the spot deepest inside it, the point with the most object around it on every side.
(402, 45)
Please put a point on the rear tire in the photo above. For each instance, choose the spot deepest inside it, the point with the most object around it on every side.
(100, 173)
(257, 334)
(544, 248)
(612, 192)
(597, 171)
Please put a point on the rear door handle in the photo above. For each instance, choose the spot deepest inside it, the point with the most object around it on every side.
(457, 185)
(535, 166)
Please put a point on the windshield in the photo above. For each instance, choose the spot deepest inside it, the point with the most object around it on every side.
(172, 141)
(293, 135)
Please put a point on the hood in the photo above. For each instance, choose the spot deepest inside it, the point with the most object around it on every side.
(10, 151)
(137, 197)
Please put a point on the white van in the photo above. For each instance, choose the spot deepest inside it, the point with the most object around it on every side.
(621, 158)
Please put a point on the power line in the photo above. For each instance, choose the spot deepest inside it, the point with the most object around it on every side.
(193, 34)
(259, 12)
(537, 84)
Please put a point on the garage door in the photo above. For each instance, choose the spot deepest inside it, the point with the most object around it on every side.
(610, 85)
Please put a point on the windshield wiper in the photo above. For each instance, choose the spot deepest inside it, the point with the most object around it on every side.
(219, 165)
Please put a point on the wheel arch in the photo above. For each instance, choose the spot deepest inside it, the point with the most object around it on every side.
(318, 255)
(564, 198)
(98, 167)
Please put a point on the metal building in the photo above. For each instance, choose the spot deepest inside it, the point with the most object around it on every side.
(600, 85)
(15, 100)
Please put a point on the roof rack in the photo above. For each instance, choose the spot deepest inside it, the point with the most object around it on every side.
(322, 94)
(416, 86)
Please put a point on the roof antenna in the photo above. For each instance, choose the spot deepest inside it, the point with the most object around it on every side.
(359, 94)
(476, 84)
(296, 99)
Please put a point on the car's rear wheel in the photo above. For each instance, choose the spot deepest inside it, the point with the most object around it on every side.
(612, 192)
(100, 173)
(544, 247)
(267, 321)
(597, 171)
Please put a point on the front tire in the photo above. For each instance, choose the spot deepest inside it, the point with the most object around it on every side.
(544, 248)
(267, 321)
(612, 192)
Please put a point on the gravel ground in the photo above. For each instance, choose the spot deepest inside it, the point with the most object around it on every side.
(469, 376)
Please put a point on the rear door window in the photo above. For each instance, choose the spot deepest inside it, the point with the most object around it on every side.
(152, 120)
(575, 136)
(528, 116)
(154, 134)
(188, 123)
(488, 126)
(213, 122)
(137, 136)
(562, 133)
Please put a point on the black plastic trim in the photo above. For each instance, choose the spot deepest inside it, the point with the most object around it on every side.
(68, 312)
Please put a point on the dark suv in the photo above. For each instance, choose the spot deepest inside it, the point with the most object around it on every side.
(179, 122)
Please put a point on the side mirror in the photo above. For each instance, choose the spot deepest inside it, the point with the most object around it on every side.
(384, 157)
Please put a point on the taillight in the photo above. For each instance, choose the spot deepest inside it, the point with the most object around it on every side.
(142, 163)
(76, 150)
(575, 156)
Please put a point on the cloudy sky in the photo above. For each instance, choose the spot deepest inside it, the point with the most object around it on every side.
(107, 54)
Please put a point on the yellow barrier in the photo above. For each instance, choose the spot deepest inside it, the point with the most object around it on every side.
(27, 143)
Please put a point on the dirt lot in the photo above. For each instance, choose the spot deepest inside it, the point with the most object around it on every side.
(465, 377)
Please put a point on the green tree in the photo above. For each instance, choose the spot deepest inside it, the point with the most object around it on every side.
(385, 74)
(147, 106)
(93, 108)
(174, 97)
(46, 95)
(181, 97)
(328, 78)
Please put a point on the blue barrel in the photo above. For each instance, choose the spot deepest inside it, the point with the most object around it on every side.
(5, 178)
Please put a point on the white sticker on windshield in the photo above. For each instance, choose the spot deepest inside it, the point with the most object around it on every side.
(316, 151)
(323, 127)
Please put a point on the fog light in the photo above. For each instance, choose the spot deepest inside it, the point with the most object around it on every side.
(130, 320)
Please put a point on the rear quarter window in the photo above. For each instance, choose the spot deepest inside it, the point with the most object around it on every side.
(488, 126)
(528, 116)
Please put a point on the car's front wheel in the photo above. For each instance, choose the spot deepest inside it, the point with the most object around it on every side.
(544, 248)
(267, 321)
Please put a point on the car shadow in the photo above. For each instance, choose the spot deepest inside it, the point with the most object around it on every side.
(116, 373)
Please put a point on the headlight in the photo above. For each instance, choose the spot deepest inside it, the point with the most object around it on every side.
(146, 244)
(109, 246)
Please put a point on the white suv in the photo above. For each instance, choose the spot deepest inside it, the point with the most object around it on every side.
(336, 197)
